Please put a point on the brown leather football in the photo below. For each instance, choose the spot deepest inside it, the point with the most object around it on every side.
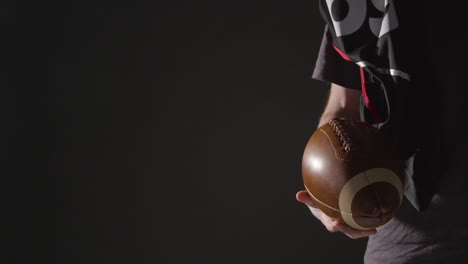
(353, 173)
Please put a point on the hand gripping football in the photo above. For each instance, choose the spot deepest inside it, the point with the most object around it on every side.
(353, 173)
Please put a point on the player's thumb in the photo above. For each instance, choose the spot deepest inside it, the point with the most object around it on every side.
(304, 197)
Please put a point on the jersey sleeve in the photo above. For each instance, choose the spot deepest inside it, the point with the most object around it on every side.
(330, 67)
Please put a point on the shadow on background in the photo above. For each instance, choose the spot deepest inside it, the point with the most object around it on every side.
(161, 134)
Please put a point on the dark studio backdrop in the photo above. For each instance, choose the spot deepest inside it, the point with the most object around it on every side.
(161, 133)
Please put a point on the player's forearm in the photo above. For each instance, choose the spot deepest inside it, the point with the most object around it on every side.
(342, 102)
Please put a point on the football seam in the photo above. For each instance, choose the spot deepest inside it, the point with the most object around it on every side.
(333, 147)
(328, 206)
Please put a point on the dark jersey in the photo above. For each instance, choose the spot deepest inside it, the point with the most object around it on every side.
(376, 42)
(424, 114)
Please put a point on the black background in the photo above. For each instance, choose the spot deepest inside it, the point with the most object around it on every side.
(161, 133)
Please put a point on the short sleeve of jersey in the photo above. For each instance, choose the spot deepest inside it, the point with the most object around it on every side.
(330, 67)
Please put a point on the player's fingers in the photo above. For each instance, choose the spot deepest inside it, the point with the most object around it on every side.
(304, 197)
(328, 222)
(355, 234)
(332, 225)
